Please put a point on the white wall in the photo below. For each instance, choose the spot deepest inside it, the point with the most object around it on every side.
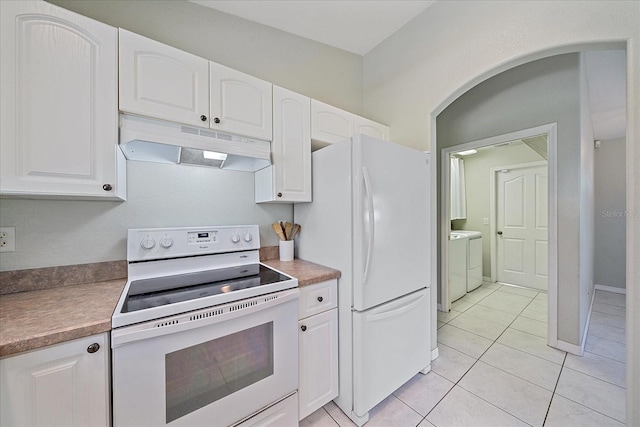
(610, 213)
(587, 204)
(52, 232)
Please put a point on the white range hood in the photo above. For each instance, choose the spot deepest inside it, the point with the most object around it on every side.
(159, 141)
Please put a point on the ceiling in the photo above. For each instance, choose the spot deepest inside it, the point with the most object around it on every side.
(332, 22)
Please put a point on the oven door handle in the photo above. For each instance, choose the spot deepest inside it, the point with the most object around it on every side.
(197, 319)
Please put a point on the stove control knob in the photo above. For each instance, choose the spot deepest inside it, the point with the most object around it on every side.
(148, 243)
(248, 237)
(235, 237)
(166, 242)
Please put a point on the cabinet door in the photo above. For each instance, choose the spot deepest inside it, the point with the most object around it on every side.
(59, 119)
(161, 81)
(61, 385)
(289, 178)
(372, 129)
(240, 103)
(330, 124)
(318, 353)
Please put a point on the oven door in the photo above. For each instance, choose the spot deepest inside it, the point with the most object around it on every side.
(213, 366)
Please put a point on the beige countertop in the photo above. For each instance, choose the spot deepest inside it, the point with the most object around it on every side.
(38, 318)
(34, 319)
(306, 272)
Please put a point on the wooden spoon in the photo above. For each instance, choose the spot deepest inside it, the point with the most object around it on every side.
(278, 229)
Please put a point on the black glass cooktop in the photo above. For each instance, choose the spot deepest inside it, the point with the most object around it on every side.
(159, 291)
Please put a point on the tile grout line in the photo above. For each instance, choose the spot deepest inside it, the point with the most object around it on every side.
(591, 376)
(553, 394)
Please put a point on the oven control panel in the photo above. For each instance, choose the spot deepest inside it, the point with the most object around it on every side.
(157, 243)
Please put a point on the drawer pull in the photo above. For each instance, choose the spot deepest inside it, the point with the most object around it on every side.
(320, 299)
(93, 348)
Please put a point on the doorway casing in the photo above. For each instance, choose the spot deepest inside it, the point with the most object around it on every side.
(550, 130)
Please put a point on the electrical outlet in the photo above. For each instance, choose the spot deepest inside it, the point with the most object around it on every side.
(7, 239)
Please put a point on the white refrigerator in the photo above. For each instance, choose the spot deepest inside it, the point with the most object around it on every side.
(370, 219)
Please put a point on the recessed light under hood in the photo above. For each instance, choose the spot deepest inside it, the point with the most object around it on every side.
(152, 140)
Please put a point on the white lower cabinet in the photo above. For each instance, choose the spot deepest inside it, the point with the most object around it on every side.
(317, 346)
(65, 384)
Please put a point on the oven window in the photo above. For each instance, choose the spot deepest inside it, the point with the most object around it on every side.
(199, 375)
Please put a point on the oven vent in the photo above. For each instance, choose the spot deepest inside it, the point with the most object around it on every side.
(168, 323)
(243, 306)
(270, 298)
(207, 314)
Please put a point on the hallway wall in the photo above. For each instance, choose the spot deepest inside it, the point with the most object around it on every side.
(610, 214)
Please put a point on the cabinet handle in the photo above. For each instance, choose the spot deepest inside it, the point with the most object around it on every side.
(279, 194)
(107, 187)
(303, 327)
(216, 120)
(320, 299)
(93, 348)
(203, 118)
(500, 233)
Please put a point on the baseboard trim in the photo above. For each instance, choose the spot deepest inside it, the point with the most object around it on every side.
(434, 353)
(613, 289)
(578, 350)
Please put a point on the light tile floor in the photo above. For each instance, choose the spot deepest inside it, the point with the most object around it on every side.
(495, 369)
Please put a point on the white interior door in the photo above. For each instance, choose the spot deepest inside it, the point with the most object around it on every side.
(522, 226)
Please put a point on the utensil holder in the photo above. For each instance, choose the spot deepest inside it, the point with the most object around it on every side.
(286, 250)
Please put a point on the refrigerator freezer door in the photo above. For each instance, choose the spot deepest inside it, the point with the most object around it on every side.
(391, 344)
(391, 221)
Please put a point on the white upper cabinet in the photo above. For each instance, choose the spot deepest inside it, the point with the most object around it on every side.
(330, 124)
(240, 103)
(288, 179)
(372, 129)
(161, 81)
(59, 111)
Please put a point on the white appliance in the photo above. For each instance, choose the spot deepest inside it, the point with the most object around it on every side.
(159, 141)
(203, 333)
(370, 219)
(458, 245)
(473, 258)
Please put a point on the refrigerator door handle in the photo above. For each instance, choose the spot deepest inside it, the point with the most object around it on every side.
(396, 311)
(371, 217)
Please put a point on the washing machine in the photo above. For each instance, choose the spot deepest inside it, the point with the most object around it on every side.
(474, 258)
(458, 246)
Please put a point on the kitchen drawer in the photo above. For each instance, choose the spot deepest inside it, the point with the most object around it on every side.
(317, 298)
